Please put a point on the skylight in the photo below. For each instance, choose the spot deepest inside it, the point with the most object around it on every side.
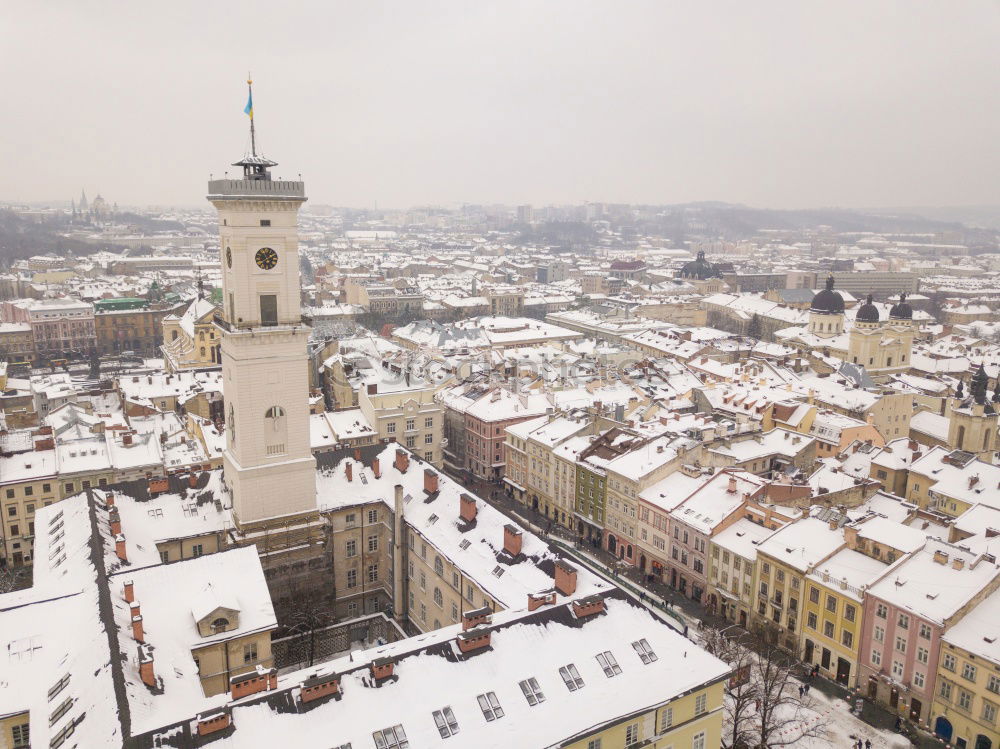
(490, 706)
(465, 544)
(498, 571)
(532, 692)
(446, 722)
(646, 654)
(608, 663)
(391, 738)
(571, 677)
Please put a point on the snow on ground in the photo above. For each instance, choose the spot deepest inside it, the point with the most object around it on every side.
(842, 725)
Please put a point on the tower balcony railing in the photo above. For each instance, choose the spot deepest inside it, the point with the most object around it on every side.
(264, 188)
(220, 321)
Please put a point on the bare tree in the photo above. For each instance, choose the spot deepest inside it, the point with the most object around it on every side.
(784, 716)
(763, 706)
(14, 578)
(305, 615)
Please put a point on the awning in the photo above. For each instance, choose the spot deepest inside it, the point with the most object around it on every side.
(513, 485)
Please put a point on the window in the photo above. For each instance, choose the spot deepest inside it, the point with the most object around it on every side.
(352, 548)
(352, 578)
(571, 677)
(994, 684)
(372, 543)
(811, 620)
(881, 611)
(532, 692)
(29, 490)
(390, 428)
(411, 441)
(250, 653)
(847, 638)
(949, 662)
(438, 566)
(828, 628)
(918, 680)
(438, 598)
(903, 622)
(666, 718)
(446, 722)
(594, 744)
(964, 699)
(831, 604)
(20, 735)
(701, 704)
(490, 706)
(879, 634)
(608, 663)
(423, 612)
(698, 742)
(897, 669)
(164, 556)
(968, 672)
(945, 690)
(923, 655)
(989, 712)
(632, 734)
(901, 644)
(849, 612)
(876, 658)
(265, 222)
(646, 654)
(372, 573)
(391, 738)
(925, 631)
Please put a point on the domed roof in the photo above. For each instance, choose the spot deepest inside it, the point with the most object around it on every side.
(828, 301)
(699, 268)
(901, 310)
(867, 312)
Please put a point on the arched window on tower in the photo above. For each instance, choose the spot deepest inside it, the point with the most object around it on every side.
(274, 430)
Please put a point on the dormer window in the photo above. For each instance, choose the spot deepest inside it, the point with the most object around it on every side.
(220, 624)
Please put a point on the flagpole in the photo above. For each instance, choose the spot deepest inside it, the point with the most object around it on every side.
(253, 136)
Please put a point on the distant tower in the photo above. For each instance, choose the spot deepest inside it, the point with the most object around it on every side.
(826, 313)
(269, 466)
(83, 201)
(973, 423)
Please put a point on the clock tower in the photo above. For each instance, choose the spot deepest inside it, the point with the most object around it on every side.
(269, 467)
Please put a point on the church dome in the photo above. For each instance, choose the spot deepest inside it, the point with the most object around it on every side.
(699, 268)
(867, 312)
(901, 310)
(828, 301)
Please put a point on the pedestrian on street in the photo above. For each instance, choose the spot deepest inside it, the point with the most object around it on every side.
(801, 691)
(807, 688)
(868, 744)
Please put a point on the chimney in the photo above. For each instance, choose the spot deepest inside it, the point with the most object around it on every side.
(475, 617)
(193, 480)
(133, 608)
(120, 547)
(402, 460)
(430, 481)
(940, 557)
(466, 508)
(128, 591)
(537, 600)
(732, 485)
(473, 640)
(511, 540)
(163, 438)
(109, 499)
(349, 470)
(588, 606)
(958, 563)
(146, 672)
(357, 454)
(126, 438)
(115, 521)
(137, 633)
(833, 524)
(381, 668)
(376, 468)
(565, 577)
(373, 388)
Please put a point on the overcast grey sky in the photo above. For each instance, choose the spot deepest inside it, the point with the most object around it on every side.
(774, 104)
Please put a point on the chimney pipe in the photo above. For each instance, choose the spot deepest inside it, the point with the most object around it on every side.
(120, 551)
(732, 485)
(128, 591)
(512, 539)
(137, 632)
(376, 469)
(430, 481)
(349, 470)
(146, 672)
(466, 508)
(565, 577)
(402, 460)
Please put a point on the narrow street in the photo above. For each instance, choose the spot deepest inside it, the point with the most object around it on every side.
(679, 606)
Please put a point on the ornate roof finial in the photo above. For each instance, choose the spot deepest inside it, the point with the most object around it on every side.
(829, 282)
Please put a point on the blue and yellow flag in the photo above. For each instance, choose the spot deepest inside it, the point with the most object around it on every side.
(248, 109)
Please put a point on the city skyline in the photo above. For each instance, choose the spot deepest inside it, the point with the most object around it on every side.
(778, 107)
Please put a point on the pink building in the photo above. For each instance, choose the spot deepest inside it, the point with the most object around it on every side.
(485, 423)
(906, 612)
(58, 326)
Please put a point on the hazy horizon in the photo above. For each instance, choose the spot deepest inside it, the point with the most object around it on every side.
(776, 105)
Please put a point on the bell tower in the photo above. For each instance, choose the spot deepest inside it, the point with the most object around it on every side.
(269, 467)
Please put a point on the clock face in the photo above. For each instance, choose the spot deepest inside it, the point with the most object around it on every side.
(266, 258)
(229, 257)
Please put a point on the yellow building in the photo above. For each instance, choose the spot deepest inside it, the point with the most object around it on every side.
(831, 631)
(966, 706)
(192, 340)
